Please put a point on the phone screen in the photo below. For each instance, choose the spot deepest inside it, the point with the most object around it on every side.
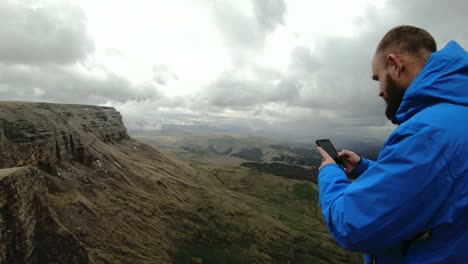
(329, 148)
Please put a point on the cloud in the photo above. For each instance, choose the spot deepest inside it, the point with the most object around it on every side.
(239, 31)
(269, 13)
(326, 90)
(162, 74)
(341, 88)
(47, 55)
(244, 26)
(50, 32)
(329, 89)
(444, 19)
(303, 60)
(69, 85)
(249, 87)
(255, 85)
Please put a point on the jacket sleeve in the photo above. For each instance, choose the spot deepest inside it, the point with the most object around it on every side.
(362, 166)
(393, 200)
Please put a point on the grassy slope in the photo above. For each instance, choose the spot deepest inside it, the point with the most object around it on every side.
(153, 209)
(145, 210)
(258, 218)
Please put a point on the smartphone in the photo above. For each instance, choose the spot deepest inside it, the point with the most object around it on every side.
(330, 149)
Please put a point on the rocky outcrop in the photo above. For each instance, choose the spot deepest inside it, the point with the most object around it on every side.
(42, 134)
(75, 188)
(30, 231)
(44, 137)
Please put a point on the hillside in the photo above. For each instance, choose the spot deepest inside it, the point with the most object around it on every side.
(76, 188)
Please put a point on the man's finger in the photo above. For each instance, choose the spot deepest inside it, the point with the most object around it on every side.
(323, 153)
(343, 153)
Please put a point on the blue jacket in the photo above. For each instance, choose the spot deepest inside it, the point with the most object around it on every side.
(419, 182)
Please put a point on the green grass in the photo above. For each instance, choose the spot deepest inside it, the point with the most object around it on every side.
(212, 255)
(259, 218)
(248, 216)
(305, 191)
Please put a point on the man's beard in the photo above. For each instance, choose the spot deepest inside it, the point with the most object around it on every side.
(393, 98)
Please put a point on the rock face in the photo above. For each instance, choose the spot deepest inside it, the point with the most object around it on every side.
(74, 188)
(30, 231)
(43, 134)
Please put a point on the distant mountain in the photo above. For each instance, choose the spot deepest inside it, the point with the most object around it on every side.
(238, 145)
(75, 188)
(358, 143)
(289, 160)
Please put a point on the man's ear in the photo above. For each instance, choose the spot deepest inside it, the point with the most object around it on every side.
(395, 63)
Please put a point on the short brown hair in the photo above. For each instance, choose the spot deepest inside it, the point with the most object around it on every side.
(408, 39)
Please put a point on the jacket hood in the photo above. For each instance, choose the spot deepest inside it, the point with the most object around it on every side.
(444, 78)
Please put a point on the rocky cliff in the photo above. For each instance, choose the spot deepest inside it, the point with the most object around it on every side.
(30, 231)
(84, 186)
(44, 134)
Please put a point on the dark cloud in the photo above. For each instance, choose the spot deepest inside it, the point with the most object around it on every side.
(50, 32)
(303, 60)
(269, 13)
(43, 50)
(57, 84)
(235, 90)
(253, 86)
(446, 20)
(244, 33)
(239, 30)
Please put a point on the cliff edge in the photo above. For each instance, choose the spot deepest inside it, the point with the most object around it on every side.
(75, 188)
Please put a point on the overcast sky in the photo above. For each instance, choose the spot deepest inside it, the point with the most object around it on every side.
(297, 67)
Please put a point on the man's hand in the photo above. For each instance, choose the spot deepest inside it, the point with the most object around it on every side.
(350, 159)
(326, 158)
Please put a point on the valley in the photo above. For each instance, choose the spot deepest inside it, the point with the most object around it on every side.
(277, 183)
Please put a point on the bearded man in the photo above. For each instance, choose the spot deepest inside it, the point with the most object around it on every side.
(411, 205)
